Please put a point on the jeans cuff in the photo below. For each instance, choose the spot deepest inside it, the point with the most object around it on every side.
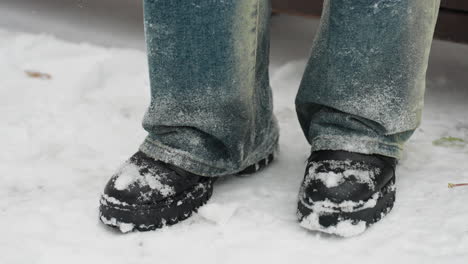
(357, 144)
(198, 166)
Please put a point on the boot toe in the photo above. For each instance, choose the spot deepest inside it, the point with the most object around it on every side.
(347, 191)
(339, 179)
(141, 181)
(344, 191)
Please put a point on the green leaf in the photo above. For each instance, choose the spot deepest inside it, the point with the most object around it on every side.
(449, 142)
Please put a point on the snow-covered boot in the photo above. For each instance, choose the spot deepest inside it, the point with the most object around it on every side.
(343, 192)
(146, 194)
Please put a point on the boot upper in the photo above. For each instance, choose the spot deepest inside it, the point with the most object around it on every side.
(340, 176)
(144, 181)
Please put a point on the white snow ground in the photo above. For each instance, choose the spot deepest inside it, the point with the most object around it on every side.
(62, 138)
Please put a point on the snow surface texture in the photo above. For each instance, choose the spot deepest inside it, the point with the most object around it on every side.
(64, 137)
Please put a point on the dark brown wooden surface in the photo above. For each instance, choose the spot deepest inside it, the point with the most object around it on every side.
(452, 23)
(452, 26)
(460, 5)
(298, 7)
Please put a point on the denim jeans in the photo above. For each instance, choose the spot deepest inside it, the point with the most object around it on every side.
(211, 103)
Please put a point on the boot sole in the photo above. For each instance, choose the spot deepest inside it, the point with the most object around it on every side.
(348, 218)
(127, 217)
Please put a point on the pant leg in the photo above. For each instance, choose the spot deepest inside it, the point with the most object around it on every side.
(363, 87)
(211, 103)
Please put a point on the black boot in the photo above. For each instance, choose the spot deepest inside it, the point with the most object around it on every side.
(343, 192)
(146, 194)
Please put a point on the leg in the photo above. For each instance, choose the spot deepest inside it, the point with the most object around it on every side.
(210, 113)
(364, 84)
(211, 105)
(360, 99)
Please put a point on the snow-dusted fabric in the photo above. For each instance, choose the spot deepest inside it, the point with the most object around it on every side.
(211, 105)
(364, 84)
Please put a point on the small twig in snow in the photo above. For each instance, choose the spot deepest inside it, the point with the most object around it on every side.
(452, 185)
(39, 75)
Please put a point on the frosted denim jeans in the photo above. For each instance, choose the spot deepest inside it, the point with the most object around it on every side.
(211, 102)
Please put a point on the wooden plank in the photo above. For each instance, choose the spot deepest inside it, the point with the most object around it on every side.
(451, 26)
(298, 7)
(461, 5)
